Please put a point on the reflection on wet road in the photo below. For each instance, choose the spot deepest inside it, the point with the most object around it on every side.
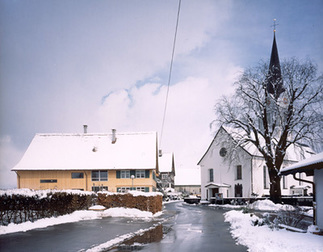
(195, 228)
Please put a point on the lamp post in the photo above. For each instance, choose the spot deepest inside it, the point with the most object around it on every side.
(132, 178)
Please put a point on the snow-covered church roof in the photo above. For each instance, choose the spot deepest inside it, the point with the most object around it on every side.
(89, 151)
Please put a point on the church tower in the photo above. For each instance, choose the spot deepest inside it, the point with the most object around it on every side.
(275, 98)
(274, 77)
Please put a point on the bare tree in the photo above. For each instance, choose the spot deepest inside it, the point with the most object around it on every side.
(274, 113)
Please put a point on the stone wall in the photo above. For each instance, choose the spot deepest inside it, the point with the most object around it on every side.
(145, 202)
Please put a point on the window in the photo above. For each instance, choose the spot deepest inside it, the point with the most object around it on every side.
(164, 176)
(265, 176)
(135, 173)
(140, 173)
(125, 174)
(140, 189)
(99, 175)
(77, 175)
(211, 179)
(239, 172)
(126, 189)
(99, 188)
(284, 182)
(48, 181)
(300, 177)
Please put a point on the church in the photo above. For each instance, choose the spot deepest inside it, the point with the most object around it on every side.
(246, 175)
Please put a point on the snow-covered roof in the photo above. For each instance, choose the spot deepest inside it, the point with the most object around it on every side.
(306, 165)
(166, 163)
(216, 185)
(136, 150)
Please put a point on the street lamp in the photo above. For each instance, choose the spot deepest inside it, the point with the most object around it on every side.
(132, 178)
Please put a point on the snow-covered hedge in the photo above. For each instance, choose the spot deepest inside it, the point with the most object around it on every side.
(21, 205)
(151, 202)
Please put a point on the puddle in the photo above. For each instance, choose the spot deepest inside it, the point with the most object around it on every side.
(138, 242)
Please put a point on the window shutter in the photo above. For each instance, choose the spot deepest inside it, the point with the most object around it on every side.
(118, 174)
(147, 174)
(146, 189)
(132, 172)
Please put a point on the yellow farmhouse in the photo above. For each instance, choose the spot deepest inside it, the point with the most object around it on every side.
(115, 162)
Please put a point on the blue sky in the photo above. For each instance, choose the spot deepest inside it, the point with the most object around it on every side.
(105, 63)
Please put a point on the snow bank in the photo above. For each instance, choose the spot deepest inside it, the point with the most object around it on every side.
(47, 222)
(76, 216)
(40, 193)
(43, 193)
(262, 238)
(126, 212)
(97, 208)
(134, 193)
(268, 205)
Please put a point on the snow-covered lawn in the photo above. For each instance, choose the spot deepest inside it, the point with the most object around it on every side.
(264, 238)
(77, 216)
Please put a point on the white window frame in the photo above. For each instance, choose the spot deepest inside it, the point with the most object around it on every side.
(140, 173)
(125, 174)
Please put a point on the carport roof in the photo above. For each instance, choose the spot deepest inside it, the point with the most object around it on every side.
(307, 165)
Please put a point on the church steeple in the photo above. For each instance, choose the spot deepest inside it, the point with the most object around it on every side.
(274, 77)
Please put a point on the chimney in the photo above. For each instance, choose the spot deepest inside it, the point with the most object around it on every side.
(85, 129)
(114, 138)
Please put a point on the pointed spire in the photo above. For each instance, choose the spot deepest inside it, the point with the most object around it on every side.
(274, 78)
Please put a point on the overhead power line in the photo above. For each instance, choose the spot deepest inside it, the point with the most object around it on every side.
(170, 74)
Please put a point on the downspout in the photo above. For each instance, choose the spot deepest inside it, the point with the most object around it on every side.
(314, 195)
(251, 174)
(85, 180)
(18, 180)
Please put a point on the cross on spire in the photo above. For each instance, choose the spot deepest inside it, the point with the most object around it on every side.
(274, 25)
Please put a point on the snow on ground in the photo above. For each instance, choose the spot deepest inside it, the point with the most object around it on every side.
(43, 193)
(40, 193)
(77, 216)
(263, 238)
(268, 205)
(134, 193)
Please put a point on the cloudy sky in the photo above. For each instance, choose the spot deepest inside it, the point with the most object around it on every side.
(105, 63)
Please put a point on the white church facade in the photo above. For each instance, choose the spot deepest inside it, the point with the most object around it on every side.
(245, 175)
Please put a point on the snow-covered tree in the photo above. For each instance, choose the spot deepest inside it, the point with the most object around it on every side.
(275, 106)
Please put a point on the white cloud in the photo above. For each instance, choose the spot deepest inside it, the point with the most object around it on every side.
(189, 112)
(9, 155)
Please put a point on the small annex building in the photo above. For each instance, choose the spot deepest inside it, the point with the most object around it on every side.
(247, 174)
(115, 162)
(312, 166)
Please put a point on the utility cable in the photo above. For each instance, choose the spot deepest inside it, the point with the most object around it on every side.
(170, 74)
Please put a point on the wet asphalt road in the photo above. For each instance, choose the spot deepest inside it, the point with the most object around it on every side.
(189, 228)
(71, 237)
(196, 228)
